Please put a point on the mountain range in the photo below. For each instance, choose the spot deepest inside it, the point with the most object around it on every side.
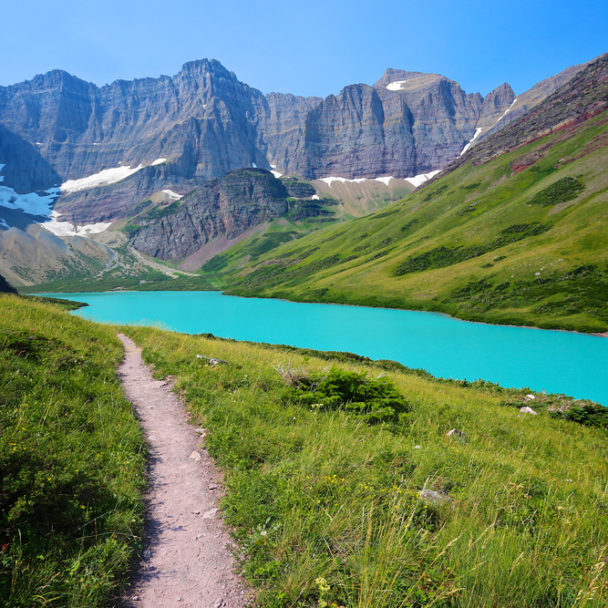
(100, 182)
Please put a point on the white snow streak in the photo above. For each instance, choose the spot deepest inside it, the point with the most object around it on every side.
(478, 132)
(158, 161)
(103, 178)
(330, 180)
(276, 173)
(396, 86)
(173, 195)
(505, 112)
(68, 229)
(418, 180)
(3, 223)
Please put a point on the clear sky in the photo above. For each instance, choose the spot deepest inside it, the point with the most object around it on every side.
(310, 47)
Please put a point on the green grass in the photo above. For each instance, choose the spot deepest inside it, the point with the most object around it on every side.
(71, 460)
(488, 242)
(326, 506)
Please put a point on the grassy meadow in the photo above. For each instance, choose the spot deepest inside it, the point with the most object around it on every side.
(325, 496)
(71, 460)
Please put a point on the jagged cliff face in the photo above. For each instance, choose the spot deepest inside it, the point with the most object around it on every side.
(408, 123)
(204, 122)
(176, 132)
(203, 119)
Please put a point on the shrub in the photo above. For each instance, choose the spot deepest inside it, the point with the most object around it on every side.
(562, 190)
(373, 400)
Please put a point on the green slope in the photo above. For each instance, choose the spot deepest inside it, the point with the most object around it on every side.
(516, 237)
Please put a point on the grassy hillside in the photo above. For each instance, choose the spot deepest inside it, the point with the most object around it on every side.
(324, 473)
(519, 239)
(71, 460)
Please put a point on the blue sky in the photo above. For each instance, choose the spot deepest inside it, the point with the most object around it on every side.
(306, 48)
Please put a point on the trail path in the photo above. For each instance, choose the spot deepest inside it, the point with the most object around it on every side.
(188, 563)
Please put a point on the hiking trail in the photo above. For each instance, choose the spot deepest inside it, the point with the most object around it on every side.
(188, 560)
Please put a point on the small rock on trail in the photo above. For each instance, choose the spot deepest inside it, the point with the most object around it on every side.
(188, 563)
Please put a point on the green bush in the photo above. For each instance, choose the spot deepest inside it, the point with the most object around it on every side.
(373, 400)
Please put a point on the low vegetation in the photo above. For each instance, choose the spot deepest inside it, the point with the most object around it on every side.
(71, 460)
(332, 508)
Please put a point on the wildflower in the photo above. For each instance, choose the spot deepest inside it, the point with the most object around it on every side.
(5, 547)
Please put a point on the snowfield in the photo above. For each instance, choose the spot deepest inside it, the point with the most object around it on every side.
(173, 195)
(396, 86)
(31, 203)
(68, 229)
(104, 177)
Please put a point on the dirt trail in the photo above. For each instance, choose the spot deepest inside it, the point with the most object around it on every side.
(188, 562)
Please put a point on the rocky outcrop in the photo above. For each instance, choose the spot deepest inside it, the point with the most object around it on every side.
(222, 208)
(25, 170)
(408, 123)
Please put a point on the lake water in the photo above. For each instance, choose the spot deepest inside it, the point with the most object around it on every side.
(555, 361)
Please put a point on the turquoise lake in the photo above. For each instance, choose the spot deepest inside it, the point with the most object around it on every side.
(554, 361)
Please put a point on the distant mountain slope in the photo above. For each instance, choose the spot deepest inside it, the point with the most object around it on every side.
(515, 232)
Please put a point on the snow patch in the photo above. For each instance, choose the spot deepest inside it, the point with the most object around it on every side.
(330, 180)
(158, 161)
(315, 197)
(478, 132)
(68, 229)
(31, 203)
(276, 173)
(396, 86)
(418, 180)
(3, 224)
(173, 195)
(103, 178)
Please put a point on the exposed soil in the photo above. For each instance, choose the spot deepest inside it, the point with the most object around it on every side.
(188, 560)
